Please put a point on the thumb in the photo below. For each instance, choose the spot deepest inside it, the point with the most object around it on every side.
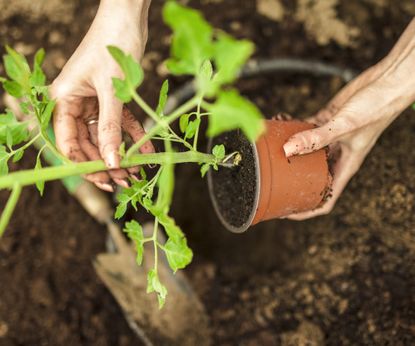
(312, 140)
(109, 128)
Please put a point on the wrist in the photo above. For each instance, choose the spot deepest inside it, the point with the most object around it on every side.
(136, 9)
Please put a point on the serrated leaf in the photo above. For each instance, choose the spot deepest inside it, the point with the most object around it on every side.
(40, 185)
(121, 90)
(232, 111)
(204, 77)
(154, 285)
(4, 157)
(135, 233)
(183, 122)
(121, 150)
(192, 39)
(24, 106)
(165, 185)
(230, 55)
(120, 211)
(47, 114)
(133, 73)
(204, 169)
(163, 98)
(178, 254)
(39, 57)
(219, 151)
(38, 77)
(13, 88)
(16, 67)
(191, 128)
(18, 155)
(12, 132)
(9, 137)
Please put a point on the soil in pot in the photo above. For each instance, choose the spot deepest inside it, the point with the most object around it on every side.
(237, 186)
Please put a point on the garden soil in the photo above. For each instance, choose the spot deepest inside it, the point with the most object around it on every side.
(343, 279)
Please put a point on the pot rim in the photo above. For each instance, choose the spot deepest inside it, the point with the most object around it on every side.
(254, 209)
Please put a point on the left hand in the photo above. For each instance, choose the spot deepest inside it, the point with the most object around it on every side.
(353, 121)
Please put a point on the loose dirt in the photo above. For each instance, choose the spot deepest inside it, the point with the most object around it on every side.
(344, 279)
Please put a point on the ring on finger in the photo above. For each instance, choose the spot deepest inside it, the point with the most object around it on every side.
(91, 121)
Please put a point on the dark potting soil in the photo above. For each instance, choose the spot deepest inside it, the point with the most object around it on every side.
(347, 278)
(234, 189)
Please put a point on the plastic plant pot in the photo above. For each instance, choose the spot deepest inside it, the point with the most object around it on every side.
(266, 185)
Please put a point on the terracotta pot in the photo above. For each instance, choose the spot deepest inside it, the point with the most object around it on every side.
(267, 185)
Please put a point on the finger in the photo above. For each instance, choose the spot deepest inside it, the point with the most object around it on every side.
(134, 129)
(343, 170)
(66, 132)
(101, 179)
(109, 127)
(311, 140)
(120, 176)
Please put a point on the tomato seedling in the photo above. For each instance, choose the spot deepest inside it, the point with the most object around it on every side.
(211, 57)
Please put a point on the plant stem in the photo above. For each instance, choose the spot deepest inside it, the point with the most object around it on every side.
(8, 210)
(29, 177)
(195, 139)
(161, 124)
(145, 107)
(155, 242)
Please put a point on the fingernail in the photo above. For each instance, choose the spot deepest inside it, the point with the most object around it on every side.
(122, 182)
(105, 186)
(112, 160)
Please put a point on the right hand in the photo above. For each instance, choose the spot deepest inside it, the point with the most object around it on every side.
(88, 119)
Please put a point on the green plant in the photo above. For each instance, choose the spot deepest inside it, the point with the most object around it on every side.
(212, 57)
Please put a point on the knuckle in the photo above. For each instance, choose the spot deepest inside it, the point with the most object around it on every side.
(110, 126)
(59, 90)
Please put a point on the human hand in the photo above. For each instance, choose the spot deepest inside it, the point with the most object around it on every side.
(88, 119)
(355, 118)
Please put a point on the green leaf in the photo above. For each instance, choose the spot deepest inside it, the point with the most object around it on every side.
(9, 138)
(18, 155)
(121, 150)
(230, 55)
(120, 211)
(219, 151)
(232, 111)
(39, 184)
(165, 185)
(38, 77)
(191, 128)
(163, 98)
(183, 122)
(192, 39)
(39, 57)
(12, 131)
(178, 254)
(154, 285)
(133, 73)
(24, 106)
(204, 169)
(121, 90)
(47, 114)
(16, 67)
(204, 78)
(4, 157)
(135, 233)
(13, 88)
